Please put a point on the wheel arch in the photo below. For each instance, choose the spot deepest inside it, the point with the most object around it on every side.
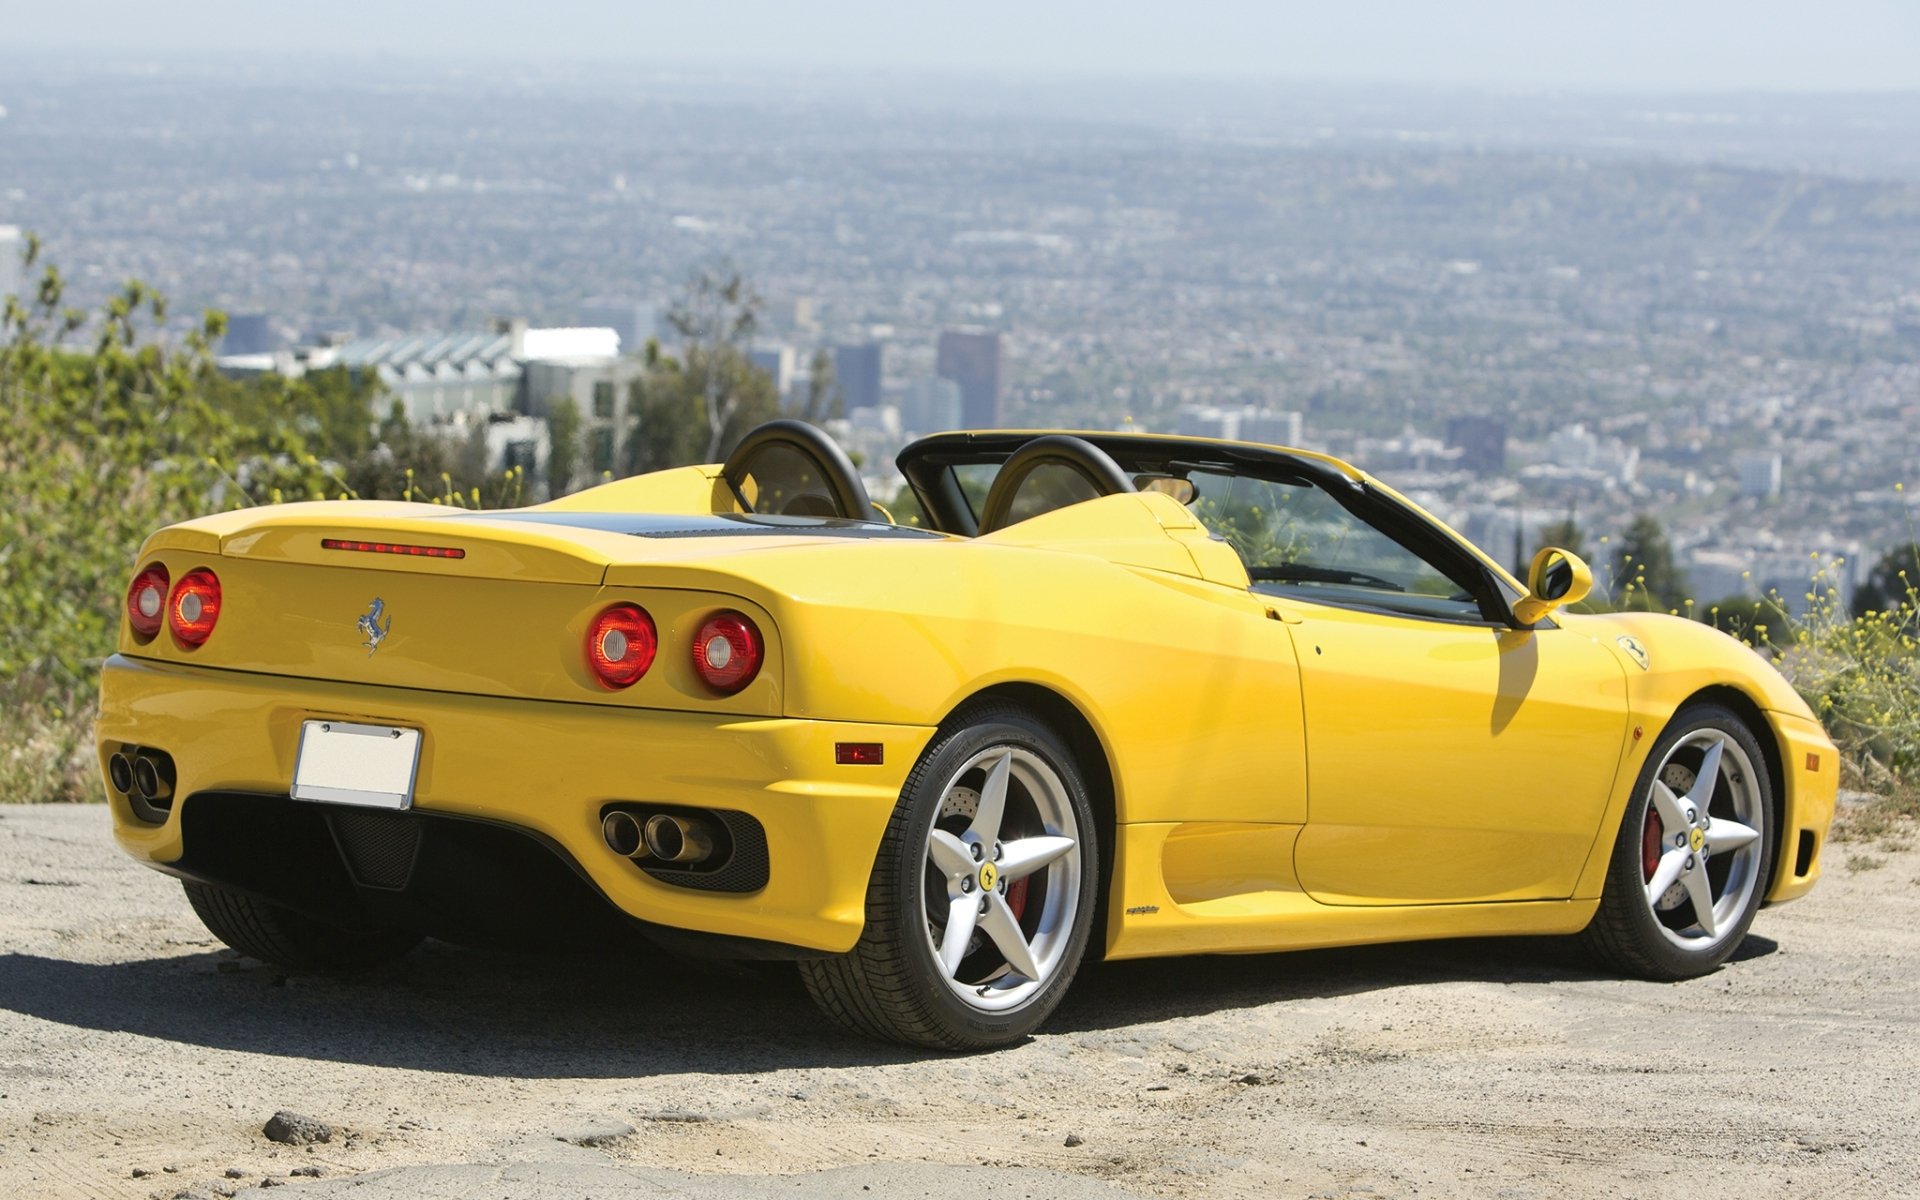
(1090, 754)
(1749, 711)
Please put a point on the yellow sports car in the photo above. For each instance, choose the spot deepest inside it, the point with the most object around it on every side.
(1122, 694)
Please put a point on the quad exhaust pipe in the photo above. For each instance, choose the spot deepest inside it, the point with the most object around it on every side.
(145, 775)
(670, 839)
(150, 782)
(624, 835)
(678, 839)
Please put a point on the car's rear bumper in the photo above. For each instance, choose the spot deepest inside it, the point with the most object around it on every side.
(548, 770)
(1811, 767)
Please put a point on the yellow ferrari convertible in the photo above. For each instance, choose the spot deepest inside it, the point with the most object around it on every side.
(1119, 695)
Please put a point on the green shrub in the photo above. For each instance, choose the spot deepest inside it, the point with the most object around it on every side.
(103, 442)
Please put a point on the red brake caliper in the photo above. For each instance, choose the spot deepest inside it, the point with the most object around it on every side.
(1650, 844)
(1017, 898)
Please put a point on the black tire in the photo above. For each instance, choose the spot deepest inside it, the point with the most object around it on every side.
(1630, 931)
(285, 938)
(891, 985)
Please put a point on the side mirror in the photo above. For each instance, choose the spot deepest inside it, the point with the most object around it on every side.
(1557, 578)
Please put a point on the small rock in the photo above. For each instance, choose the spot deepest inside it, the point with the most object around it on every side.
(1074, 1139)
(293, 1129)
(1249, 1078)
(234, 1173)
(681, 1115)
(273, 1181)
(310, 1171)
(141, 1172)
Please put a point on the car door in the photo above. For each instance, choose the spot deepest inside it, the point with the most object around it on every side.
(1450, 757)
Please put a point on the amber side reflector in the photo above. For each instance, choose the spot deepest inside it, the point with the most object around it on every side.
(393, 548)
(1813, 762)
(859, 754)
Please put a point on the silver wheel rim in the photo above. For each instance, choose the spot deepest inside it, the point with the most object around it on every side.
(1001, 885)
(1700, 841)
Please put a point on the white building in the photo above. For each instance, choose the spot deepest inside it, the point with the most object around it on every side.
(1247, 423)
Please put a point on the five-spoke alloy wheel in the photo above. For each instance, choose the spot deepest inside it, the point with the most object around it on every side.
(1694, 851)
(982, 896)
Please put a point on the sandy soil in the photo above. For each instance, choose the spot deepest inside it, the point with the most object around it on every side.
(138, 1058)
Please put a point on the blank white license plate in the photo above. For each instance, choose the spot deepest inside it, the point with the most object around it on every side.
(372, 766)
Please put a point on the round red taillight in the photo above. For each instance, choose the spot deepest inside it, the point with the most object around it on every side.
(195, 606)
(727, 652)
(147, 601)
(621, 644)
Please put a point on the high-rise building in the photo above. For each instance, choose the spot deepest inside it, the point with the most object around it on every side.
(1482, 442)
(12, 273)
(1759, 475)
(972, 359)
(857, 370)
(777, 362)
(931, 406)
(636, 322)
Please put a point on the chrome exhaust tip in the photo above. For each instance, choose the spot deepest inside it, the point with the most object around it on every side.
(120, 773)
(149, 783)
(678, 839)
(623, 834)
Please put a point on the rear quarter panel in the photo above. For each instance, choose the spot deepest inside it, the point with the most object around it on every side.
(1193, 691)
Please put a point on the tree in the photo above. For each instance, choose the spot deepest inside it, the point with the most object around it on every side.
(670, 426)
(1644, 560)
(715, 317)
(563, 451)
(1893, 583)
(1564, 534)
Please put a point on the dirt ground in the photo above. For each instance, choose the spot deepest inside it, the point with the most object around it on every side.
(138, 1058)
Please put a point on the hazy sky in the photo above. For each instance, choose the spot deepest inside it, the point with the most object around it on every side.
(1845, 45)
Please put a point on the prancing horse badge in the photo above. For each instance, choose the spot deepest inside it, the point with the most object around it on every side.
(370, 626)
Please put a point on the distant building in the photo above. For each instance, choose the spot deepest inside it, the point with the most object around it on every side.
(12, 273)
(1759, 475)
(1482, 442)
(438, 376)
(1245, 423)
(778, 363)
(972, 360)
(856, 369)
(249, 333)
(635, 321)
(931, 406)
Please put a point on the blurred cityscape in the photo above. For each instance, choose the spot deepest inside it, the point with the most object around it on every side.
(1518, 309)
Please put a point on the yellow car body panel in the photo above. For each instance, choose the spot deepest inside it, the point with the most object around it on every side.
(549, 769)
(1278, 773)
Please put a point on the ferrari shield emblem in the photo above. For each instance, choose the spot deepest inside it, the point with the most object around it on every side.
(1635, 651)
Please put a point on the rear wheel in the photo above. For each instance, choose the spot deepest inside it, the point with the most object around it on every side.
(982, 895)
(278, 935)
(1694, 851)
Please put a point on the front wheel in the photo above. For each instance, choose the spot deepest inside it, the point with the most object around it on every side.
(1694, 851)
(982, 894)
